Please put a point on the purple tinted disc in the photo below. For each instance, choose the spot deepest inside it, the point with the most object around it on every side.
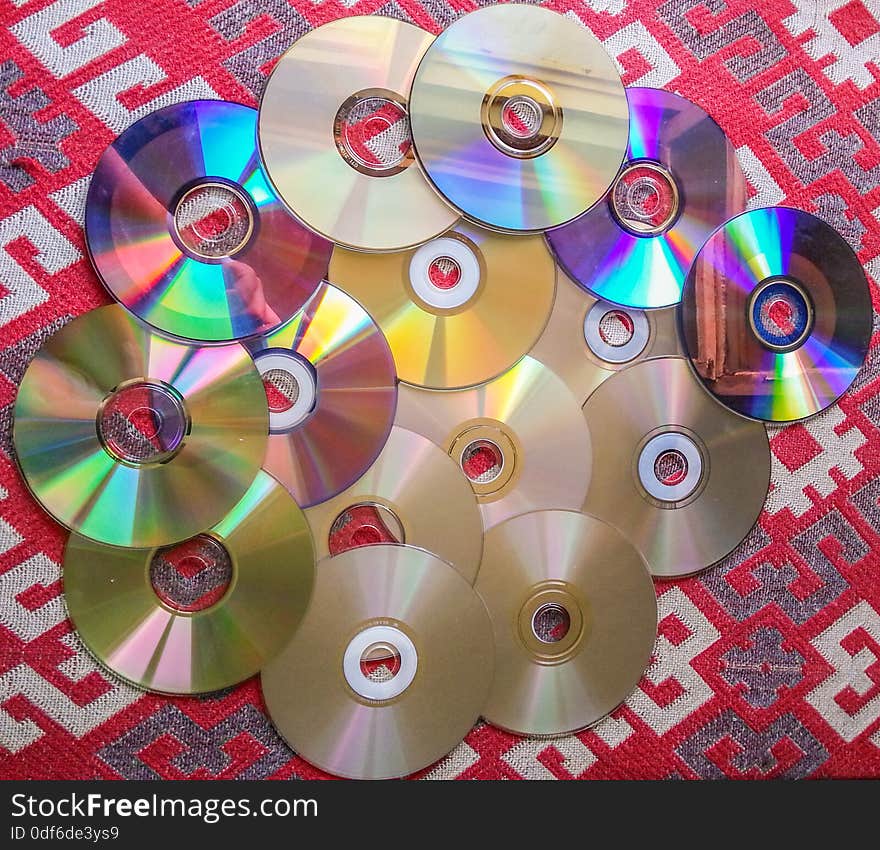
(776, 314)
(680, 181)
(186, 232)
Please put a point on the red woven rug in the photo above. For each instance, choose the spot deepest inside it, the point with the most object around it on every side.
(766, 666)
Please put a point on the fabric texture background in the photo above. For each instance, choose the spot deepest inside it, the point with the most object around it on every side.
(767, 665)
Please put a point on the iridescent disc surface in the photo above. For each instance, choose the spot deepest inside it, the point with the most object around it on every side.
(186, 232)
(776, 314)
(431, 503)
(680, 475)
(329, 375)
(135, 440)
(575, 619)
(588, 340)
(415, 710)
(674, 208)
(334, 134)
(521, 439)
(458, 310)
(519, 117)
(141, 637)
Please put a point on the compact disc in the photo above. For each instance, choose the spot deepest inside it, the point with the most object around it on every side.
(201, 615)
(587, 340)
(458, 310)
(519, 117)
(332, 392)
(683, 477)
(334, 134)
(521, 440)
(390, 668)
(135, 440)
(417, 496)
(575, 619)
(776, 314)
(681, 179)
(186, 232)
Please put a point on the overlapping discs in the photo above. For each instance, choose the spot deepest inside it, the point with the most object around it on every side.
(680, 181)
(204, 614)
(329, 377)
(587, 340)
(135, 440)
(418, 496)
(186, 232)
(684, 478)
(390, 668)
(457, 310)
(776, 314)
(521, 440)
(575, 619)
(335, 136)
(519, 117)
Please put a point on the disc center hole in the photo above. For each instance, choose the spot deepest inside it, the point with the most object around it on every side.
(645, 198)
(213, 221)
(191, 576)
(482, 461)
(781, 314)
(380, 661)
(364, 524)
(671, 468)
(282, 390)
(142, 422)
(521, 116)
(291, 385)
(371, 131)
(444, 273)
(551, 623)
(616, 328)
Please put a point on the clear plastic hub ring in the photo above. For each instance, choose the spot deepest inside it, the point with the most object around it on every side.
(372, 135)
(142, 422)
(645, 198)
(213, 220)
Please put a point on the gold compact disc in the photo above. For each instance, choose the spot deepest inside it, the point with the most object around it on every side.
(420, 498)
(519, 117)
(132, 439)
(458, 310)
(521, 440)
(575, 619)
(683, 477)
(335, 139)
(201, 615)
(390, 668)
(587, 339)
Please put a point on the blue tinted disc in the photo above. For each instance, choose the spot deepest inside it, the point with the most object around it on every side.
(186, 232)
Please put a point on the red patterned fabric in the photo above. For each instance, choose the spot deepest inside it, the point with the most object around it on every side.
(767, 665)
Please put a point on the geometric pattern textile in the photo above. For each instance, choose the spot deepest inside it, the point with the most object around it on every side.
(767, 665)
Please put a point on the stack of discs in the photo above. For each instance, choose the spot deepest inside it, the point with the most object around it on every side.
(418, 377)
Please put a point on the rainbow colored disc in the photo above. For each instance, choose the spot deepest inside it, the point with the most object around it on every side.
(143, 613)
(185, 230)
(776, 314)
(518, 117)
(332, 390)
(681, 179)
(135, 440)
